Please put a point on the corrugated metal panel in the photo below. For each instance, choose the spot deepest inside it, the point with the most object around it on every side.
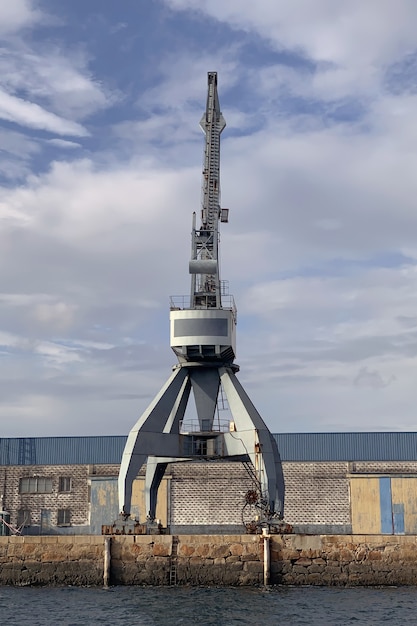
(292, 446)
(61, 450)
(399, 446)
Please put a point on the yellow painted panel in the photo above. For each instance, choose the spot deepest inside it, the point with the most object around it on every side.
(404, 491)
(365, 506)
(138, 508)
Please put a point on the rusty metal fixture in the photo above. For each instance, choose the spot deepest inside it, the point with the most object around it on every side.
(251, 528)
(286, 529)
(251, 497)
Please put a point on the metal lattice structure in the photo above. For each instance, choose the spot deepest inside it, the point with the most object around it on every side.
(203, 337)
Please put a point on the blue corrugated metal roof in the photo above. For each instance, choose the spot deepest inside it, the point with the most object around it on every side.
(102, 450)
(61, 450)
(399, 446)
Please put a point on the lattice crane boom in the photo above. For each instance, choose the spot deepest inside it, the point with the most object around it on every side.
(205, 282)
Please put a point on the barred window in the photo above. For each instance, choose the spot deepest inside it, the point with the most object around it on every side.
(64, 517)
(23, 518)
(35, 485)
(64, 484)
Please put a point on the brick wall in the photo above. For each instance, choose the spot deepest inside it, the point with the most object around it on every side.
(383, 467)
(214, 493)
(316, 493)
(76, 500)
(202, 493)
(210, 493)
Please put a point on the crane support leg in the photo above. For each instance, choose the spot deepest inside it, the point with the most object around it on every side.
(153, 433)
(258, 443)
(155, 470)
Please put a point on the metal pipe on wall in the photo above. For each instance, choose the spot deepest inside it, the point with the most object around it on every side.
(107, 561)
(267, 557)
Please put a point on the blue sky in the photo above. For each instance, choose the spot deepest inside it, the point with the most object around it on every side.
(100, 166)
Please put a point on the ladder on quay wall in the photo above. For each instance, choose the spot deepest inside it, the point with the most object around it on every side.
(173, 561)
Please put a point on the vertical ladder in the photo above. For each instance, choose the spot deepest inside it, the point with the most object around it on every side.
(254, 476)
(173, 561)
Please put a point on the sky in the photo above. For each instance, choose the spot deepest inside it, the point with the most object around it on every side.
(100, 172)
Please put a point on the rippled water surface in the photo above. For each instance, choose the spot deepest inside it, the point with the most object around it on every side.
(173, 606)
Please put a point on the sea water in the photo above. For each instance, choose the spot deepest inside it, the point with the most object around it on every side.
(179, 606)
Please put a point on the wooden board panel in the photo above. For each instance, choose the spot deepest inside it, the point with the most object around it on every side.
(365, 505)
(138, 501)
(404, 492)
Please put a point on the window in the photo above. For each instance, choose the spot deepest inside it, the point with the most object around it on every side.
(64, 517)
(35, 485)
(23, 518)
(64, 484)
(200, 446)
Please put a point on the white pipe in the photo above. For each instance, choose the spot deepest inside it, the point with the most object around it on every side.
(267, 557)
(107, 561)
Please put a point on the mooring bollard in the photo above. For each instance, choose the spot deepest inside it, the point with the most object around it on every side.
(107, 561)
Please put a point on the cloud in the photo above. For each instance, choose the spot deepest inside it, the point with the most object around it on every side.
(325, 31)
(44, 85)
(338, 345)
(16, 152)
(367, 378)
(318, 173)
(55, 77)
(350, 46)
(63, 143)
(17, 15)
(32, 115)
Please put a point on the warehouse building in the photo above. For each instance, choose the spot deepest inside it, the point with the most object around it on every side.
(361, 483)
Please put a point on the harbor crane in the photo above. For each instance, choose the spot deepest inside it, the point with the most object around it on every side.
(203, 337)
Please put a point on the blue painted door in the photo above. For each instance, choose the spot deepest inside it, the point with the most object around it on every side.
(398, 519)
(385, 500)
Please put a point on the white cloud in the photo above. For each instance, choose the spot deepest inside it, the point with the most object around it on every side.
(17, 15)
(55, 77)
(44, 85)
(58, 315)
(63, 143)
(353, 43)
(8, 340)
(322, 208)
(182, 88)
(15, 154)
(327, 31)
(78, 201)
(32, 115)
(344, 346)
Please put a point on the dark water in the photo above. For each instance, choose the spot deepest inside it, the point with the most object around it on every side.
(176, 606)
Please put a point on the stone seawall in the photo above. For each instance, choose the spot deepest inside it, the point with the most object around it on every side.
(337, 560)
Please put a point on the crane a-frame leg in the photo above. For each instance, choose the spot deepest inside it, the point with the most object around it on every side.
(157, 439)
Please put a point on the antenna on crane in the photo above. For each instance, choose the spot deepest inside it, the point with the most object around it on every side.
(203, 337)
